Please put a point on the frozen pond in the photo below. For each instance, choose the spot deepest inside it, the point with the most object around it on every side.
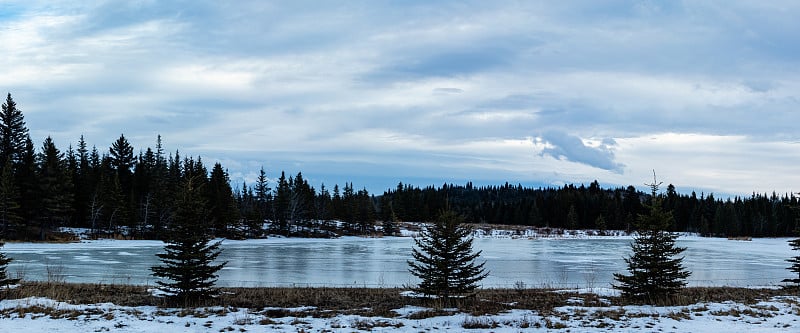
(380, 262)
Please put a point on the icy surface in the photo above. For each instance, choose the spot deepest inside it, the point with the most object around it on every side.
(577, 262)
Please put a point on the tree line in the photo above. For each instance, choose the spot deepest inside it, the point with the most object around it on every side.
(593, 207)
(117, 191)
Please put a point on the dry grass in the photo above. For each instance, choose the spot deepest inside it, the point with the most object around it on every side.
(327, 302)
(693, 295)
(721, 294)
(81, 293)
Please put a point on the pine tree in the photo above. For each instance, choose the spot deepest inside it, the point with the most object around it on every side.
(390, 224)
(56, 196)
(122, 162)
(160, 193)
(110, 203)
(28, 187)
(795, 261)
(283, 192)
(9, 205)
(12, 132)
(444, 260)
(82, 189)
(224, 212)
(122, 159)
(262, 196)
(301, 202)
(187, 272)
(655, 272)
(600, 224)
(4, 279)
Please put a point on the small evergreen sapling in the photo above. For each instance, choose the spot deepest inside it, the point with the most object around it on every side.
(187, 261)
(655, 272)
(444, 260)
(4, 279)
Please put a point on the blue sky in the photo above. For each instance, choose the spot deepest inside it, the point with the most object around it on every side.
(707, 93)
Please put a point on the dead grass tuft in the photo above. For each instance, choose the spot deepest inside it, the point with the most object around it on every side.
(479, 323)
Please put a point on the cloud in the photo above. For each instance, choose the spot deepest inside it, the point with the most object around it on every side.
(449, 64)
(710, 163)
(434, 88)
(448, 90)
(572, 148)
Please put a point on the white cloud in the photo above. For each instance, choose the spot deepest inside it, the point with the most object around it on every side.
(727, 164)
(440, 89)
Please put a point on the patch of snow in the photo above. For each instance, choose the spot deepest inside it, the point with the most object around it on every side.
(414, 294)
(408, 233)
(602, 292)
(36, 314)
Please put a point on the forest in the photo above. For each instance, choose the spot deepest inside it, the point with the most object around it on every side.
(116, 192)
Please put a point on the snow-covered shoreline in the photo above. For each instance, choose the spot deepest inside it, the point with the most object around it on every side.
(34, 314)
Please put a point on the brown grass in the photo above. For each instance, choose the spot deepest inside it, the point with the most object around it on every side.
(328, 302)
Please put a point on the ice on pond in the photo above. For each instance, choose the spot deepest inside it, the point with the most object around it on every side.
(382, 262)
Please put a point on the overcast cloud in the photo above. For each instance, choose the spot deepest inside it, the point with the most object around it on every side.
(378, 92)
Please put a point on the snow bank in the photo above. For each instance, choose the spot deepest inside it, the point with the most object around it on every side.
(34, 314)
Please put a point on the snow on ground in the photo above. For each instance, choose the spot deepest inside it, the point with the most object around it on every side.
(780, 314)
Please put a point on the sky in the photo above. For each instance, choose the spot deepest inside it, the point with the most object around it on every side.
(540, 93)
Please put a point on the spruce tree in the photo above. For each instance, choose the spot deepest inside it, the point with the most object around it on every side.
(4, 279)
(444, 260)
(55, 197)
(262, 197)
(9, 204)
(795, 261)
(12, 132)
(188, 273)
(223, 210)
(29, 189)
(390, 225)
(655, 272)
(280, 220)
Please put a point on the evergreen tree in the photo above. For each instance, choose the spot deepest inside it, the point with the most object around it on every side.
(4, 261)
(301, 202)
(187, 272)
(600, 224)
(572, 218)
(795, 261)
(262, 196)
(9, 206)
(110, 203)
(12, 132)
(28, 186)
(223, 210)
(143, 189)
(122, 159)
(444, 260)
(83, 187)
(280, 221)
(655, 273)
(56, 197)
(336, 203)
(365, 212)
(323, 207)
(390, 224)
(160, 193)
